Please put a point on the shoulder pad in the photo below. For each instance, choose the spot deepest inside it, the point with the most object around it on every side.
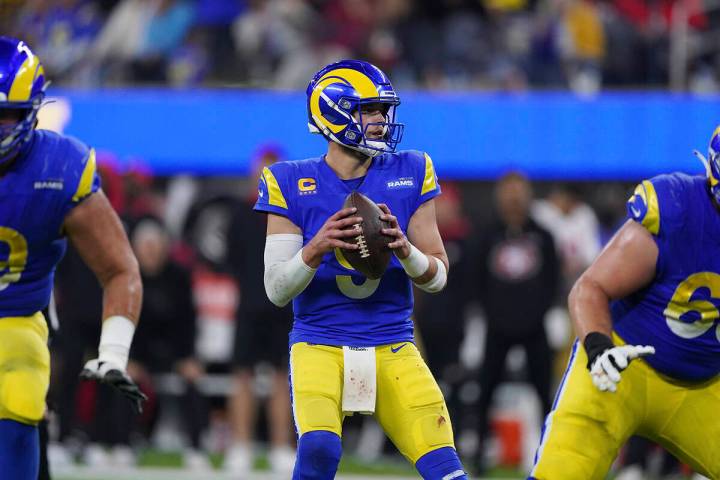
(270, 181)
(660, 200)
(643, 207)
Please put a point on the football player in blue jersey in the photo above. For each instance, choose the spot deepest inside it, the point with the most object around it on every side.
(654, 294)
(49, 191)
(351, 345)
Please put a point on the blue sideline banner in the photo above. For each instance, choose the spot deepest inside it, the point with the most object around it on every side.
(622, 136)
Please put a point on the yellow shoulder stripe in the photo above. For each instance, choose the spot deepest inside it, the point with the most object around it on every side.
(651, 220)
(86, 179)
(276, 196)
(430, 182)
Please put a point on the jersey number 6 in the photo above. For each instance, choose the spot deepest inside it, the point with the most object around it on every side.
(681, 304)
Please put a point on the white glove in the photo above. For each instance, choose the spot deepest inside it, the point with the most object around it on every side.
(605, 369)
(109, 367)
(96, 368)
(109, 374)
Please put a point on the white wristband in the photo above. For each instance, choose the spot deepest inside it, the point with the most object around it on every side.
(416, 263)
(438, 281)
(115, 340)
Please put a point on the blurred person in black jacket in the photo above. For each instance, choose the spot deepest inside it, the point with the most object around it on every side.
(517, 275)
(165, 342)
(261, 339)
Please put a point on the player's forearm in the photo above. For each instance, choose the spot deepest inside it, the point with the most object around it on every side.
(311, 256)
(122, 294)
(286, 280)
(589, 308)
(122, 300)
(286, 272)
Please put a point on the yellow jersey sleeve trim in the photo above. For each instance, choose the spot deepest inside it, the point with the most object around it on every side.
(276, 197)
(651, 220)
(86, 179)
(429, 183)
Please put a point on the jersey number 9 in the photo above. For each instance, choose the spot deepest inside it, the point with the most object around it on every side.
(12, 267)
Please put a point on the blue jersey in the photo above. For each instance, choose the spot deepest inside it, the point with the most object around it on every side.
(341, 306)
(53, 175)
(678, 312)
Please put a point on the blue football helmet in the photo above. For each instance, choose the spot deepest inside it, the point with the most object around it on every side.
(714, 161)
(22, 89)
(339, 90)
(712, 164)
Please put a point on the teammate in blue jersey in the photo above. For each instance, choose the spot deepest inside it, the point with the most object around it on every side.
(49, 191)
(351, 345)
(654, 292)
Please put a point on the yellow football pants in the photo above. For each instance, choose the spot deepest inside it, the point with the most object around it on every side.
(409, 406)
(24, 368)
(587, 427)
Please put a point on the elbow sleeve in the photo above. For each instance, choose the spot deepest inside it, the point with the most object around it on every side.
(286, 274)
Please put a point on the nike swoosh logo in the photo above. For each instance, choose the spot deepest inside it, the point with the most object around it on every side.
(397, 349)
(635, 211)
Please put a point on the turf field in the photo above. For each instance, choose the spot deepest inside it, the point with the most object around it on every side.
(157, 473)
(167, 466)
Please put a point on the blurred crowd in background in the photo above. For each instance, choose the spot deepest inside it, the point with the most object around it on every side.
(437, 44)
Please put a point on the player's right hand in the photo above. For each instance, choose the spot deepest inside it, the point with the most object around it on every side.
(400, 244)
(332, 235)
(606, 367)
(115, 376)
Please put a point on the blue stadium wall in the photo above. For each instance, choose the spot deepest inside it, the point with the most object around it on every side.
(623, 136)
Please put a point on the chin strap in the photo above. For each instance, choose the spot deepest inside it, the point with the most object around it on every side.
(704, 161)
(377, 147)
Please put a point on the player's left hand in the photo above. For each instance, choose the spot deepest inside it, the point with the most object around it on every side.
(606, 367)
(111, 374)
(401, 245)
